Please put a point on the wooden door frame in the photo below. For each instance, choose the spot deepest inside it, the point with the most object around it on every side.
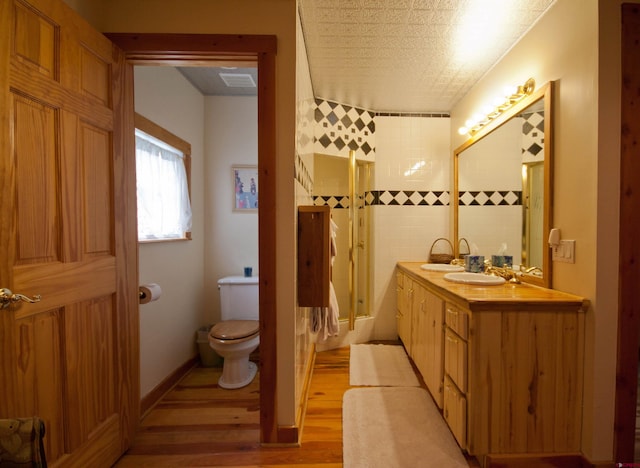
(629, 250)
(208, 50)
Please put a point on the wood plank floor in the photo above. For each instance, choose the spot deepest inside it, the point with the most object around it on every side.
(199, 424)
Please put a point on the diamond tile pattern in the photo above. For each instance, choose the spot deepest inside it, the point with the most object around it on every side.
(389, 197)
(533, 136)
(490, 198)
(401, 55)
(340, 128)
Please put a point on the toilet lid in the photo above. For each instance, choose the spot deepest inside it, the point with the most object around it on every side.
(235, 329)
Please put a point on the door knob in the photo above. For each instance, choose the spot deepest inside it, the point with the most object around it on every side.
(7, 297)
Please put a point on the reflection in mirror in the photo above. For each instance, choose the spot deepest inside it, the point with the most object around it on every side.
(503, 181)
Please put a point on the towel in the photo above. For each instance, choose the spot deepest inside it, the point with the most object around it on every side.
(326, 320)
(334, 247)
(333, 324)
(21, 443)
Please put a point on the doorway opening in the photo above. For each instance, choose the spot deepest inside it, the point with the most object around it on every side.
(213, 49)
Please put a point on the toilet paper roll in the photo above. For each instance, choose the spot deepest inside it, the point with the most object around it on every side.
(150, 292)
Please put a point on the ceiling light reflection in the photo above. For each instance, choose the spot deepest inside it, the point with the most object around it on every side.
(414, 168)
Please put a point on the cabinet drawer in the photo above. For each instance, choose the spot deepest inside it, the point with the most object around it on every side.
(457, 319)
(455, 412)
(400, 280)
(455, 359)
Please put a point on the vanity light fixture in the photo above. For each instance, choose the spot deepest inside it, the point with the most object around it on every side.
(511, 97)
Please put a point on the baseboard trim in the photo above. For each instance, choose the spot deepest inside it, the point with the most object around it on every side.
(306, 387)
(155, 395)
(290, 436)
(568, 460)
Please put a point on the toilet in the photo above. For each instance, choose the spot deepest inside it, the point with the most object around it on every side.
(237, 335)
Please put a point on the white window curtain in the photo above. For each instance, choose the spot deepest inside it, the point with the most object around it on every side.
(164, 209)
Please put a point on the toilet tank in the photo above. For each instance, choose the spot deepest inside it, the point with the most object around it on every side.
(239, 298)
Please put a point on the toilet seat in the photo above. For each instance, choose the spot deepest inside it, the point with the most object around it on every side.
(230, 330)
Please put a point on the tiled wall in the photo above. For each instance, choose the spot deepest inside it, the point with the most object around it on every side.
(341, 128)
(411, 202)
(532, 136)
(409, 198)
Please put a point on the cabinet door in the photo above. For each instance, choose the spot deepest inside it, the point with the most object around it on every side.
(457, 319)
(455, 412)
(426, 339)
(434, 374)
(419, 324)
(405, 293)
(455, 363)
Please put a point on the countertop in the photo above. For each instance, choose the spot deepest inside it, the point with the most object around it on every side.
(495, 297)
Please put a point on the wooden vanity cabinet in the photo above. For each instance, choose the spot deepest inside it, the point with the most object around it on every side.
(420, 328)
(512, 366)
(403, 314)
(427, 336)
(456, 372)
(525, 371)
(455, 411)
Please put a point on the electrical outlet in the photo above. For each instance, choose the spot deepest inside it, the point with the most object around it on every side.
(565, 252)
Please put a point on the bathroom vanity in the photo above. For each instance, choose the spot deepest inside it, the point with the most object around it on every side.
(504, 363)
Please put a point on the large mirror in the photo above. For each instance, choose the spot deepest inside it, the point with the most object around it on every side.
(503, 178)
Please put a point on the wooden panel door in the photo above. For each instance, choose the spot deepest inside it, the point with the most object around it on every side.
(419, 352)
(435, 346)
(405, 293)
(67, 204)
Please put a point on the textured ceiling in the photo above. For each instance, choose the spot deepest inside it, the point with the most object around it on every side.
(409, 55)
(398, 55)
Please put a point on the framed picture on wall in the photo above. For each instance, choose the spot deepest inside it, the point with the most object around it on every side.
(245, 182)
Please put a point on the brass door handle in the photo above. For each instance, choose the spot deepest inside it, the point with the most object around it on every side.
(7, 297)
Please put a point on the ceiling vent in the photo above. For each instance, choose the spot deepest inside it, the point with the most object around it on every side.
(238, 80)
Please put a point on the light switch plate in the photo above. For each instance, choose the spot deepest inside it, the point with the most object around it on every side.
(564, 252)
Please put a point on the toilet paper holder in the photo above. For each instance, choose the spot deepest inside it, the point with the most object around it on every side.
(148, 293)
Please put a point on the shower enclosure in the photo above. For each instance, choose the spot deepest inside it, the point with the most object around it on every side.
(343, 184)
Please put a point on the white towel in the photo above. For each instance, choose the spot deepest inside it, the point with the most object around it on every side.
(333, 322)
(334, 247)
(326, 320)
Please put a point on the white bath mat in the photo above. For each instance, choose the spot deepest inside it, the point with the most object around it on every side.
(380, 365)
(399, 427)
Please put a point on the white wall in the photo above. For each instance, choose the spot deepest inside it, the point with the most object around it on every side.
(405, 233)
(230, 138)
(168, 326)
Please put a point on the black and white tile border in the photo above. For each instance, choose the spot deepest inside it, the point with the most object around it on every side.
(490, 198)
(388, 198)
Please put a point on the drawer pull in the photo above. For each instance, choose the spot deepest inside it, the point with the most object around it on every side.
(453, 340)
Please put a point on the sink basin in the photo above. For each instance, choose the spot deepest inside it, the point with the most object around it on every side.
(441, 267)
(474, 278)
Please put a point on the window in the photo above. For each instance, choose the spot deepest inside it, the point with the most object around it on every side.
(163, 183)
